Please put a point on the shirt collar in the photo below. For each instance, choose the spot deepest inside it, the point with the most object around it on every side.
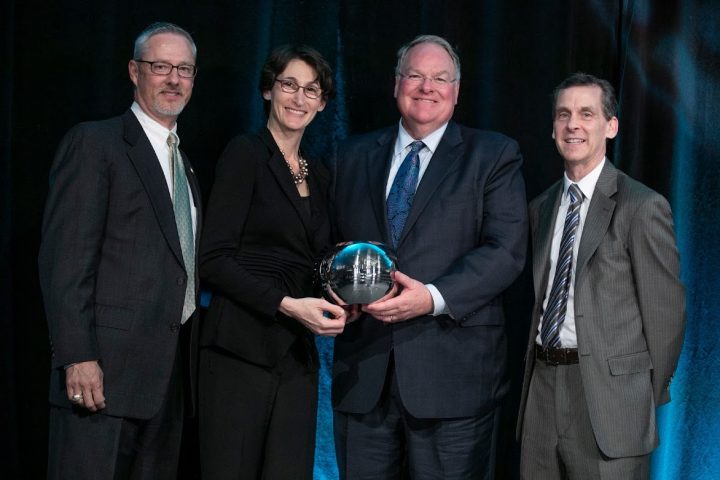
(587, 183)
(431, 141)
(150, 126)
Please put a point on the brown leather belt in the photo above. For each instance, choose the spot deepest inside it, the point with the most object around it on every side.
(556, 356)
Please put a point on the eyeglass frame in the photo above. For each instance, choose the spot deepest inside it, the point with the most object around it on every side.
(304, 89)
(420, 79)
(152, 64)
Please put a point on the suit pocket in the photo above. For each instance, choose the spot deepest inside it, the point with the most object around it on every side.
(632, 363)
(113, 316)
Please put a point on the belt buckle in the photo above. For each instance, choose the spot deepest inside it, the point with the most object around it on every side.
(553, 361)
(545, 357)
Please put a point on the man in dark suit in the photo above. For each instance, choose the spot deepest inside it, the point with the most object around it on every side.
(118, 276)
(418, 377)
(607, 326)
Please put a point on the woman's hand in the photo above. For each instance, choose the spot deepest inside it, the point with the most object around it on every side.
(316, 314)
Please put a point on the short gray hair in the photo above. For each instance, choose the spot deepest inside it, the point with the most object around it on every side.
(156, 29)
(441, 42)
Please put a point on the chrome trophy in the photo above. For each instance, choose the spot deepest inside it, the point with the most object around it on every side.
(357, 273)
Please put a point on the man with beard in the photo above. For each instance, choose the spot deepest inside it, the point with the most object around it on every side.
(118, 277)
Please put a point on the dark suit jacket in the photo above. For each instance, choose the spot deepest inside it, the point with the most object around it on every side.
(629, 307)
(260, 244)
(466, 234)
(111, 268)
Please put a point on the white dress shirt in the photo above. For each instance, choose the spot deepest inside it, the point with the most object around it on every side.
(568, 335)
(158, 134)
(402, 148)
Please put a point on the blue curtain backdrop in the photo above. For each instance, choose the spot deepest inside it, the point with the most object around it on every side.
(66, 62)
(690, 424)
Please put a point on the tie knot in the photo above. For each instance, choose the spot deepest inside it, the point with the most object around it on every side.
(575, 193)
(416, 146)
(172, 140)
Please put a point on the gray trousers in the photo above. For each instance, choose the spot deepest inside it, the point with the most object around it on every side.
(557, 438)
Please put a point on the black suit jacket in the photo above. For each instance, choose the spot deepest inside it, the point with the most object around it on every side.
(260, 244)
(111, 268)
(466, 234)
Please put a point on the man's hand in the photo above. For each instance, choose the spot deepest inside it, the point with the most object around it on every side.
(84, 384)
(413, 301)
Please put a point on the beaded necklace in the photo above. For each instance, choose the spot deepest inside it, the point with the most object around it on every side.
(302, 174)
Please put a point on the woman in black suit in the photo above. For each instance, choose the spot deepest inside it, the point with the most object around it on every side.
(266, 224)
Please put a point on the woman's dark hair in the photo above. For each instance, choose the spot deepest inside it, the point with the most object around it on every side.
(279, 58)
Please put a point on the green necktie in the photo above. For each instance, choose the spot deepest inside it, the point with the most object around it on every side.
(183, 221)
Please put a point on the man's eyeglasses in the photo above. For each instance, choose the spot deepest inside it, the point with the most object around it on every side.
(439, 81)
(164, 68)
(291, 86)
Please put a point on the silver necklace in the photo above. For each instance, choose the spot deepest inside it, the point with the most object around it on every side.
(302, 174)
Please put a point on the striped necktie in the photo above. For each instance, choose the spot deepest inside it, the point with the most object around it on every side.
(554, 314)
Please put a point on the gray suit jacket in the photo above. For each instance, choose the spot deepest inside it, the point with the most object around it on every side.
(467, 235)
(629, 307)
(111, 267)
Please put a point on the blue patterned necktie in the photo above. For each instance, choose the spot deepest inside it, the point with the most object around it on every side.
(183, 221)
(554, 315)
(402, 191)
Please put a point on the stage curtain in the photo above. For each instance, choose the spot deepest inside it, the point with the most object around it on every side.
(66, 62)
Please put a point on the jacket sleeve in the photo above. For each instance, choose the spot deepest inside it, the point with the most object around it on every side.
(483, 273)
(225, 218)
(661, 295)
(72, 236)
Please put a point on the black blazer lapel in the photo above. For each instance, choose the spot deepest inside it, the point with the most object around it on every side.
(197, 200)
(378, 160)
(448, 152)
(280, 171)
(143, 157)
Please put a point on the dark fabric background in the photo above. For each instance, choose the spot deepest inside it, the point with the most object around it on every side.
(66, 62)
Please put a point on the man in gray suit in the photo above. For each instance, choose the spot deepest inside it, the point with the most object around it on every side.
(607, 326)
(118, 277)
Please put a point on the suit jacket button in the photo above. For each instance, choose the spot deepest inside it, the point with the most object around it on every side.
(174, 327)
(180, 281)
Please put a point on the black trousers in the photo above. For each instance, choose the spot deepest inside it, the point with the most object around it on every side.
(85, 445)
(256, 422)
(389, 443)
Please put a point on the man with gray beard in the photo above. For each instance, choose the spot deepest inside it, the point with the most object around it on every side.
(118, 276)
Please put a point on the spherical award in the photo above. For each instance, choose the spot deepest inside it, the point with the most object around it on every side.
(357, 273)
